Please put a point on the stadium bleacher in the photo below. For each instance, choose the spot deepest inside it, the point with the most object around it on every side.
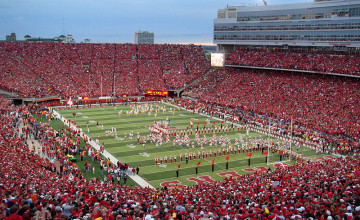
(328, 106)
(31, 188)
(88, 69)
(326, 63)
(324, 104)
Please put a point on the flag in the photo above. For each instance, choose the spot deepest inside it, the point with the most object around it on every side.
(280, 152)
(69, 102)
(214, 122)
(179, 165)
(198, 124)
(227, 158)
(205, 122)
(212, 163)
(222, 122)
(198, 163)
(249, 154)
(266, 153)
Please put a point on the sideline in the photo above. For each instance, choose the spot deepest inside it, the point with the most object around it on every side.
(106, 154)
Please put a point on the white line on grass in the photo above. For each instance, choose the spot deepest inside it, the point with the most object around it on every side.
(106, 154)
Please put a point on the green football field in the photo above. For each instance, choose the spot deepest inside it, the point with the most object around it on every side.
(129, 151)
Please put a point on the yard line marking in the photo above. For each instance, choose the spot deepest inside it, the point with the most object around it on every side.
(144, 154)
(131, 145)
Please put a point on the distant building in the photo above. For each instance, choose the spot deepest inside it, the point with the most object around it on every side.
(61, 39)
(11, 37)
(87, 41)
(27, 37)
(69, 39)
(327, 24)
(144, 37)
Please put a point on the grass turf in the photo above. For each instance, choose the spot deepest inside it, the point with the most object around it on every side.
(129, 151)
(58, 125)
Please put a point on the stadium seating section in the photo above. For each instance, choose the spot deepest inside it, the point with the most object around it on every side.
(326, 63)
(31, 188)
(324, 104)
(42, 69)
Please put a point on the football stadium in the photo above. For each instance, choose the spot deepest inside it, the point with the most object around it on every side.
(265, 127)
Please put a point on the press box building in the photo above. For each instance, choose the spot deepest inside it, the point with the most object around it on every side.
(326, 24)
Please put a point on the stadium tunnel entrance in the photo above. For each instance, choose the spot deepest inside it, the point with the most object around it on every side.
(175, 93)
(18, 101)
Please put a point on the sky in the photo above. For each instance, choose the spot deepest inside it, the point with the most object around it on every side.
(116, 21)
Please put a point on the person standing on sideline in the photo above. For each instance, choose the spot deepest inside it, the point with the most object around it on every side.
(125, 178)
(133, 171)
(137, 170)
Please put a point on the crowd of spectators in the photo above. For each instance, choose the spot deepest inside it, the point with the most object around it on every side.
(326, 63)
(31, 188)
(92, 70)
(173, 65)
(126, 79)
(150, 71)
(328, 105)
(182, 64)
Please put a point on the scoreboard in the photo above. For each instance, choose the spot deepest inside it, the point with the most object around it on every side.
(217, 59)
(157, 93)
